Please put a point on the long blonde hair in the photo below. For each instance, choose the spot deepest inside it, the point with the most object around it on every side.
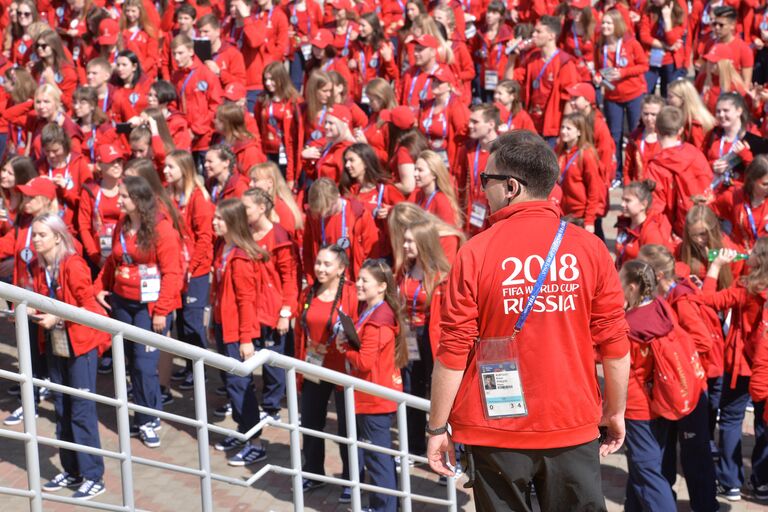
(431, 256)
(692, 255)
(730, 79)
(757, 279)
(443, 182)
(269, 170)
(405, 213)
(428, 25)
(693, 107)
(189, 177)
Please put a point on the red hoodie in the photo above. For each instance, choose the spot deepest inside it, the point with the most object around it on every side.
(680, 172)
(654, 230)
(580, 309)
(731, 206)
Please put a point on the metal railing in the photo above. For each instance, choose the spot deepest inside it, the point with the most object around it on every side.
(201, 358)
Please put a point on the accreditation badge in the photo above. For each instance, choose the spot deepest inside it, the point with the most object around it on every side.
(498, 371)
(412, 342)
(478, 214)
(149, 277)
(60, 340)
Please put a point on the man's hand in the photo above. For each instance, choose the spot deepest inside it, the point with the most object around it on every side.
(437, 447)
(615, 436)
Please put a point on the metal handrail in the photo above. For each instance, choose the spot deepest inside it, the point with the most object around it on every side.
(201, 357)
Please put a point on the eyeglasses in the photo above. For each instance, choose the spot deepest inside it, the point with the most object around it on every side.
(41, 46)
(484, 177)
(24, 14)
(718, 24)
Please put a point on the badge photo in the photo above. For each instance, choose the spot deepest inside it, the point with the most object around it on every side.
(202, 86)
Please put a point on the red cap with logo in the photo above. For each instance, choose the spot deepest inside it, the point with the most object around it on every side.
(582, 89)
(342, 4)
(443, 74)
(40, 186)
(108, 153)
(401, 116)
(235, 91)
(108, 31)
(323, 38)
(427, 41)
(341, 113)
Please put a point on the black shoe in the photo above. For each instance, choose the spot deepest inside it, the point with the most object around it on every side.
(166, 395)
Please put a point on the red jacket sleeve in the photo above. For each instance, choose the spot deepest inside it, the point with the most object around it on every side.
(244, 282)
(286, 265)
(202, 230)
(594, 186)
(85, 226)
(372, 338)
(168, 254)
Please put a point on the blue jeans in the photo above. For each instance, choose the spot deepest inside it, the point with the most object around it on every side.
(614, 116)
(733, 405)
(693, 433)
(189, 318)
(273, 377)
(647, 489)
(76, 418)
(314, 413)
(141, 359)
(251, 97)
(375, 429)
(760, 453)
(668, 73)
(3, 143)
(296, 70)
(245, 406)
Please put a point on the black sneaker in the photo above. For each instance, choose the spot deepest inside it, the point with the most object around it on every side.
(188, 383)
(731, 494)
(229, 443)
(346, 495)
(223, 411)
(90, 489)
(105, 366)
(310, 485)
(166, 396)
(61, 481)
(15, 390)
(221, 390)
(180, 375)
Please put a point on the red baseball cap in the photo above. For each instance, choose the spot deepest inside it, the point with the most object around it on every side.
(108, 153)
(40, 186)
(582, 89)
(579, 4)
(235, 91)
(342, 4)
(427, 41)
(401, 116)
(341, 113)
(108, 30)
(323, 38)
(443, 74)
(720, 52)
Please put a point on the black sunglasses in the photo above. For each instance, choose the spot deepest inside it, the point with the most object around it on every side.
(41, 46)
(24, 14)
(484, 177)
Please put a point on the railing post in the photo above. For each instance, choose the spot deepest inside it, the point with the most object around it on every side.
(123, 422)
(405, 463)
(201, 414)
(293, 419)
(24, 345)
(354, 465)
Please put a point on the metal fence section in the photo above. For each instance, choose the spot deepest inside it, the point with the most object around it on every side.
(120, 331)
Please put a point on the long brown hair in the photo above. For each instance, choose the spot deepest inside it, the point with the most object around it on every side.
(317, 80)
(53, 40)
(431, 256)
(284, 88)
(232, 118)
(692, 255)
(382, 273)
(233, 214)
(757, 279)
(189, 178)
(280, 189)
(443, 182)
(757, 170)
(143, 23)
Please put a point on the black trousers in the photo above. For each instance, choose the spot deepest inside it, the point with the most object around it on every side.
(566, 479)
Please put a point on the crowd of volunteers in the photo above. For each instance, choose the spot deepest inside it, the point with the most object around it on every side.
(299, 177)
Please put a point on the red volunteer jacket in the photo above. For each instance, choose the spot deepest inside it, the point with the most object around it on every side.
(655, 230)
(197, 212)
(95, 220)
(631, 61)
(484, 296)
(199, 92)
(735, 207)
(281, 284)
(582, 183)
(233, 296)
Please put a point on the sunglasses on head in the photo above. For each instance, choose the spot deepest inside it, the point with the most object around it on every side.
(484, 177)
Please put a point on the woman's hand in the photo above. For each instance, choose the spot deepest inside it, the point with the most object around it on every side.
(246, 350)
(158, 323)
(283, 325)
(310, 153)
(101, 298)
(47, 320)
(724, 257)
(719, 166)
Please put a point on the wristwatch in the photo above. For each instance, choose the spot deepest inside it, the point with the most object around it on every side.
(436, 431)
(285, 313)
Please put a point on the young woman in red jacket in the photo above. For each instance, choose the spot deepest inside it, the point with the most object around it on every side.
(342, 96)
(643, 142)
(286, 211)
(745, 208)
(637, 227)
(191, 199)
(381, 99)
(650, 319)
(513, 116)
(318, 98)
(364, 180)
(699, 121)
(142, 278)
(421, 268)
(93, 123)
(140, 36)
(461, 62)
(72, 351)
(622, 63)
(132, 87)
(277, 114)
(382, 353)
(48, 109)
(406, 142)
(489, 50)
(15, 171)
(579, 34)
(224, 181)
(68, 170)
(316, 328)
(324, 158)
(729, 146)
(162, 95)
(702, 325)
(276, 302)
(98, 212)
(662, 29)
(235, 322)
(435, 193)
(746, 299)
(580, 179)
(305, 19)
(229, 124)
(325, 56)
(53, 66)
(406, 213)
(372, 57)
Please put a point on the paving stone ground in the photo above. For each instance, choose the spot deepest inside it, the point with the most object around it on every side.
(161, 491)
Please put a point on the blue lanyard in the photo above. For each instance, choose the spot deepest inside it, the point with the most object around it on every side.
(402, 6)
(540, 280)
(51, 282)
(722, 143)
(66, 171)
(296, 17)
(343, 222)
(477, 161)
(126, 257)
(322, 116)
(368, 312)
(413, 85)
(751, 220)
(363, 62)
(346, 41)
(93, 145)
(186, 82)
(415, 297)
(568, 166)
(328, 64)
(380, 197)
(618, 55)
(224, 259)
(544, 67)
(443, 118)
(272, 121)
(97, 202)
(326, 150)
(429, 199)
(671, 287)
(576, 49)
(104, 103)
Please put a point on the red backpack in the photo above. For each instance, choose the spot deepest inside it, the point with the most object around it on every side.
(677, 375)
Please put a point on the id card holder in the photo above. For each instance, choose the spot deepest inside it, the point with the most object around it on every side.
(656, 58)
(491, 80)
(105, 240)
(60, 340)
(478, 214)
(282, 158)
(498, 372)
(364, 99)
(315, 358)
(412, 341)
(306, 51)
(149, 285)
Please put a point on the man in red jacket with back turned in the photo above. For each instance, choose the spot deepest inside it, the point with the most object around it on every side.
(535, 332)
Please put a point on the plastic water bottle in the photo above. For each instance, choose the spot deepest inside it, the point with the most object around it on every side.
(713, 253)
